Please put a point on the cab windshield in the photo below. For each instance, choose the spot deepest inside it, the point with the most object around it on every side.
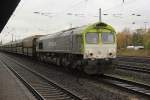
(92, 38)
(107, 37)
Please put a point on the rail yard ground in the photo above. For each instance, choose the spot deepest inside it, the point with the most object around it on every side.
(79, 84)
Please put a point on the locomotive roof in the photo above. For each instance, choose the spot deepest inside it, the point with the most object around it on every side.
(76, 30)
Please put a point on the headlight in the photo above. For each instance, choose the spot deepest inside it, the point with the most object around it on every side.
(89, 53)
(110, 54)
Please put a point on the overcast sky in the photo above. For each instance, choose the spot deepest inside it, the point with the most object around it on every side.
(48, 16)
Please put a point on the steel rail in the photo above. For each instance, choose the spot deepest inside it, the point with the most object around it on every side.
(30, 88)
(131, 86)
(133, 68)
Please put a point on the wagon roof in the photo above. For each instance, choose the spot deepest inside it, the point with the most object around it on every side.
(32, 37)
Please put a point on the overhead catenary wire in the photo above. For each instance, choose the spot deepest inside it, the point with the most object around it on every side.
(117, 15)
(64, 11)
(120, 5)
(83, 15)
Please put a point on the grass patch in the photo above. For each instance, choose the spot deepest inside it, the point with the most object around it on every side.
(131, 52)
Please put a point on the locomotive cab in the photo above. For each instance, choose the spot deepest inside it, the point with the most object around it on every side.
(99, 43)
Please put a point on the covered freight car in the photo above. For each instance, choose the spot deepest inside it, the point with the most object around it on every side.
(29, 45)
(25, 46)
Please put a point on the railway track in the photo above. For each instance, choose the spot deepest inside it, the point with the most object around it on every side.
(127, 85)
(133, 68)
(44, 90)
(40, 86)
